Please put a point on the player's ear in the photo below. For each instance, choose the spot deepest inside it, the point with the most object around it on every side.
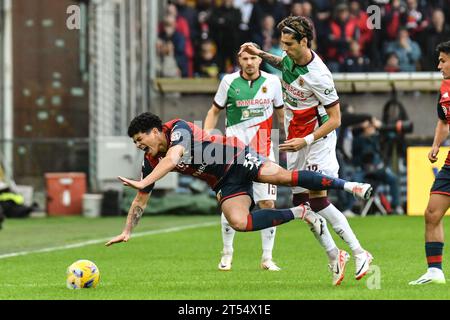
(155, 131)
(304, 41)
(260, 60)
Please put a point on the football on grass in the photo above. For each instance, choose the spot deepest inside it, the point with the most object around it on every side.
(82, 274)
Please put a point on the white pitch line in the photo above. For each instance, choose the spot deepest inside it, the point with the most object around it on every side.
(96, 241)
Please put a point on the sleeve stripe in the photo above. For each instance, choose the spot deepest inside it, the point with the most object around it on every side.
(440, 111)
(331, 104)
(218, 105)
(279, 107)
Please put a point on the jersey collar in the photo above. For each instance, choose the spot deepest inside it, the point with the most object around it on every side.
(294, 65)
(251, 81)
(166, 132)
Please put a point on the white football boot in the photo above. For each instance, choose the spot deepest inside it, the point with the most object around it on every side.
(269, 265)
(362, 261)
(337, 267)
(315, 221)
(433, 275)
(359, 190)
(226, 261)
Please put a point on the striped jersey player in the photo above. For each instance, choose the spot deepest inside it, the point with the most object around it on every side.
(443, 111)
(178, 144)
(249, 97)
(249, 107)
(439, 201)
(311, 116)
(308, 92)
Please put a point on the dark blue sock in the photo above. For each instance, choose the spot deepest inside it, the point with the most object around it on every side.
(316, 181)
(266, 218)
(433, 251)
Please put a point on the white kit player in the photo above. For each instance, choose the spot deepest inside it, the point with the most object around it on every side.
(312, 113)
(249, 98)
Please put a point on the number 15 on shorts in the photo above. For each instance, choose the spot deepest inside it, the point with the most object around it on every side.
(271, 189)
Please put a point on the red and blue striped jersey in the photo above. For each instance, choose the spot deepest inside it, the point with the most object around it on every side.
(207, 157)
(444, 108)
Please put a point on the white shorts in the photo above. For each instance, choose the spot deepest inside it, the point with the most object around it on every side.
(319, 156)
(265, 191)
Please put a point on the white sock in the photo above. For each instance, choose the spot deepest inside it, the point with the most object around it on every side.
(348, 186)
(268, 240)
(327, 242)
(435, 270)
(227, 235)
(340, 225)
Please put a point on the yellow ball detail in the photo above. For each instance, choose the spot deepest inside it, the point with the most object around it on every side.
(82, 274)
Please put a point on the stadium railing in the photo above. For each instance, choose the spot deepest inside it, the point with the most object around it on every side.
(345, 83)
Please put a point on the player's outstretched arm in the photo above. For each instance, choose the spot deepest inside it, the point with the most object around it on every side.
(271, 59)
(134, 215)
(167, 164)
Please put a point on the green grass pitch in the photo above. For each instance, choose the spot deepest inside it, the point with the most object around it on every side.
(178, 265)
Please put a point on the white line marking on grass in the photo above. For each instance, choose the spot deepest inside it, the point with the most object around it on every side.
(96, 241)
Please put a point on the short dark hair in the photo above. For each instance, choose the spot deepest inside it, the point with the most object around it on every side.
(144, 123)
(443, 47)
(300, 27)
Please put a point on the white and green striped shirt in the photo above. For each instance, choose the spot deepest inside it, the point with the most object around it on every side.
(307, 91)
(249, 107)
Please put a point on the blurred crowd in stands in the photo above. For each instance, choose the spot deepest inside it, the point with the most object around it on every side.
(365, 148)
(200, 38)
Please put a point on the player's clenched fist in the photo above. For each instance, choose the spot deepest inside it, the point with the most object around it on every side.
(432, 155)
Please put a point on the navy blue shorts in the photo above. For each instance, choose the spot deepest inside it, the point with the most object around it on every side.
(239, 179)
(441, 184)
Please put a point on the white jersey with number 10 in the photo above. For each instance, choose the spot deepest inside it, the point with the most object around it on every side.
(307, 91)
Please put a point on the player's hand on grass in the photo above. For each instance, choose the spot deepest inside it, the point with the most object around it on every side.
(123, 237)
(432, 155)
(131, 183)
(293, 145)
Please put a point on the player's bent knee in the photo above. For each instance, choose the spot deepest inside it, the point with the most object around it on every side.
(433, 216)
(239, 225)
